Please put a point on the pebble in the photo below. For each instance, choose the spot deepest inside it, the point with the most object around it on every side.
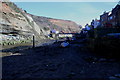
(93, 62)
(47, 65)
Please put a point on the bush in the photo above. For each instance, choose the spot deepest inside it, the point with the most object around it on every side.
(46, 28)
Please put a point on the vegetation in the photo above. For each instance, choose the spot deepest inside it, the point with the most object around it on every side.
(46, 28)
(18, 15)
(13, 42)
(54, 26)
(13, 6)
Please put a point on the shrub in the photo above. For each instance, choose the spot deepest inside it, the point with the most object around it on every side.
(46, 28)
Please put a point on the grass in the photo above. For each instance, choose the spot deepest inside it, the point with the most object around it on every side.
(9, 44)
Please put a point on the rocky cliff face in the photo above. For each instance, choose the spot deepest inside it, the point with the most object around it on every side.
(16, 21)
(66, 25)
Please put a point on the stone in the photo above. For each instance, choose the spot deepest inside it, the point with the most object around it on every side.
(111, 60)
(71, 74)
(15, 54)
(113, 78)
(25, 76)
(102, 60)
(90, 59)
(117, 75)
(81, 72)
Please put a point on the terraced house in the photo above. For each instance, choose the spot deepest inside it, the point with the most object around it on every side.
(116, 16)
(112, 18)
(104, 19)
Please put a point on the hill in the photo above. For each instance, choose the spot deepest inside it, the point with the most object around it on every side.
(18, 22)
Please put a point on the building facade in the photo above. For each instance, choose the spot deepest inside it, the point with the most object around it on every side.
(116, 16)
(112, 18)
(104, 19)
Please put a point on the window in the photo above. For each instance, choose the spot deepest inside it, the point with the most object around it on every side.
(111, 17)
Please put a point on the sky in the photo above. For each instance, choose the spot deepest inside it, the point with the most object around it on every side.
(79, 12)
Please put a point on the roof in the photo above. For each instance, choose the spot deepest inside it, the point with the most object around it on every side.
(110, 13)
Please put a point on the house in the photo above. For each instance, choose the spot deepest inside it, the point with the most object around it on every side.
(111, 21)
(95, 23)
(116, 16)
(104, 19)
(111, 18)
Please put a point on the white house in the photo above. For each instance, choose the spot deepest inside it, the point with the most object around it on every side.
(96, 23)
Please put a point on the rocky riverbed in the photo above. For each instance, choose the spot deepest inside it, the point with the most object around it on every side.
(55, 62)
(11, 49)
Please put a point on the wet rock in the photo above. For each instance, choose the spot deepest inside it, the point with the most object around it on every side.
(90, 59)
(111, 60)
(58, 65)
(52, 70)
(63, 59)
(16, 51)
(25, 76)
(15, 54)
(81, 72)
(102, 60)
(117, 75)
(71, 74)
(113, 78)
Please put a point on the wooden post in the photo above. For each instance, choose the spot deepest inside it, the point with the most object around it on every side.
(33, 41)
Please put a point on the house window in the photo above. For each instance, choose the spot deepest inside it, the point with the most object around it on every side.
(111, 17)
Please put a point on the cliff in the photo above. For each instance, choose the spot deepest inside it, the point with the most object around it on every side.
(16, 21)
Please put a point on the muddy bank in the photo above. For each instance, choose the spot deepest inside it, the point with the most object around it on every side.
(11, 49)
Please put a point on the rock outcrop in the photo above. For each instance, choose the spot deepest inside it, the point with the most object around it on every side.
(66, 25)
